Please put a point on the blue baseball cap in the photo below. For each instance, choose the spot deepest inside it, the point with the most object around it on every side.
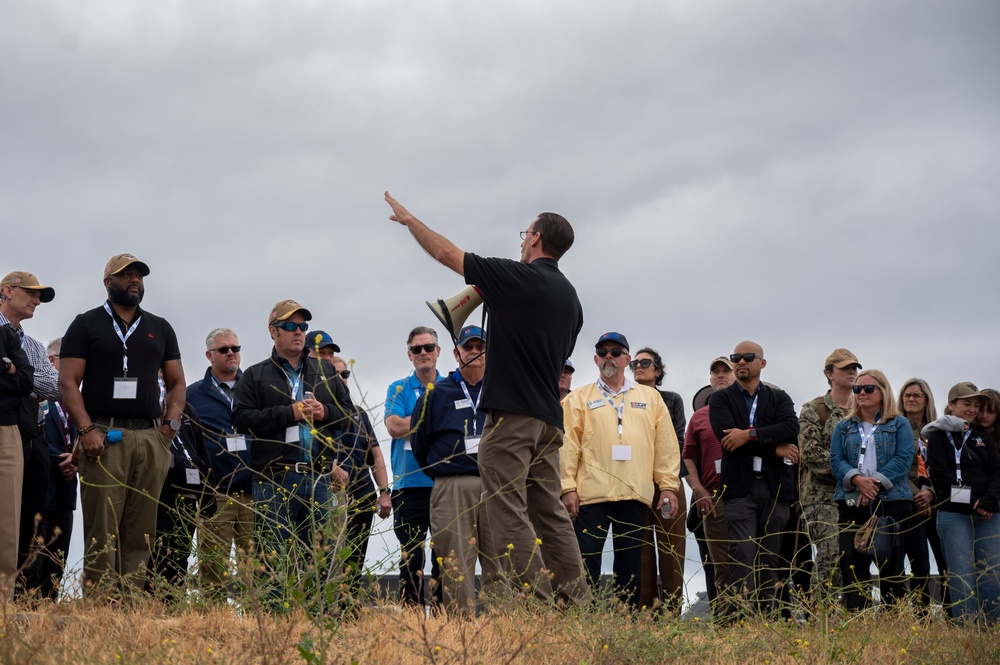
(470, 332)
(618, 338)
(324, 341)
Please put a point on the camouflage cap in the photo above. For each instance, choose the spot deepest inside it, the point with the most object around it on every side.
(119, 262)
(26, 280)
(284, 309)
(841, 358)
(721, 359)
(964, 390)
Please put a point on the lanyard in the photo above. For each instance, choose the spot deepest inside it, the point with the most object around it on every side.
(958, 453)
(123, 338)
(753, 410)
(64, 419)
(218, 389)
(293, 386)
(864, 443)
(620, 409)
(177, 438)
(475, 405)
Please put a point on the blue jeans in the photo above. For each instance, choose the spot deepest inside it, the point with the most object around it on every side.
(972, 550)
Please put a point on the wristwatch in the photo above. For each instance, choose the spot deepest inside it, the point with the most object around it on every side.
(753, 433)
(384, 490)
(6, 364)
(175, 425)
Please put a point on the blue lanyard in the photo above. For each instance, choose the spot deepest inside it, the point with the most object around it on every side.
(123, 338)
(620, 409)
(218, 389)
(475, 405)
(753, 410)
(958, 453)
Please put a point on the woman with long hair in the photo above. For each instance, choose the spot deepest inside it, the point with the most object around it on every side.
(965, 469)
(989, 414)
(871, 453)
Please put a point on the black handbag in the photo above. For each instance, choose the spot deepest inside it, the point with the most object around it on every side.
(877, 538)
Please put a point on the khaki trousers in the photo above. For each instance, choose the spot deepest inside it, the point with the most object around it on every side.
(664, 545)
(11, 478)
(533, 536)
(231, 523)
(118, 495)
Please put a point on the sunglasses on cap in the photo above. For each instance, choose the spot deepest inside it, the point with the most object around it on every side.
(426, 348)
(291, 326)
(224, 350)
(870, 388)
(745, 357)
(345, 374)
(644, 363)
(615, 352)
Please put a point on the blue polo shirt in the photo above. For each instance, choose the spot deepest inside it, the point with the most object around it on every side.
(400, 399)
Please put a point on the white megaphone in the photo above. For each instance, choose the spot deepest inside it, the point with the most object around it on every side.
(453, 312)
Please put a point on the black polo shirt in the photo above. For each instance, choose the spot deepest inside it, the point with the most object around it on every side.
(92, 337)
(535, 316)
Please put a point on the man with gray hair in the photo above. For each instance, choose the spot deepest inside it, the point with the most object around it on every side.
(411, 495)
(229, 456)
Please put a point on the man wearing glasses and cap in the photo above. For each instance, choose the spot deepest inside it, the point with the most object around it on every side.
(229, 455)
(290, 408)
(566, 380)
(20, 294)
(117, 351)
(617, 432)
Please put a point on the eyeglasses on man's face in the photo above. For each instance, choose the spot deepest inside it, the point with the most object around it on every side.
(426, 348)
(745, 357)
(615, 352)
(224, 350)
(291, 326)
(524, 234)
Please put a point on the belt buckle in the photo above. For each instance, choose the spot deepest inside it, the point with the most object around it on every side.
(303, 468)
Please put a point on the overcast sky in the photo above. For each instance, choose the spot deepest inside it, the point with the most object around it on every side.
(807, 175)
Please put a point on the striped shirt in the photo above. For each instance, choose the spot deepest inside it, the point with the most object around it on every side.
(46, 376)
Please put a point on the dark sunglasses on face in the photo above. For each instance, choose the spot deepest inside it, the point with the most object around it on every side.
(745, 357)
(224, 350)
(615, 352)
(644, 363)
(427, 348)
(345, 374)
(870, 388)
(292, 327)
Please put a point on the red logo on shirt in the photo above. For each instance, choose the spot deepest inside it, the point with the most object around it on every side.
(150, 335)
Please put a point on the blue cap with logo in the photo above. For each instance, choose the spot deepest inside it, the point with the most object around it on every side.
(318, 339)
(613, 337)
(470, 332)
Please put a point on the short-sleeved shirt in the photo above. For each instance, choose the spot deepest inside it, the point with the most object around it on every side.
(535, 317)
(92, 337)
(400, 399)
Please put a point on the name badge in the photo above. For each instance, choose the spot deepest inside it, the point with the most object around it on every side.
(472, 445)
(961, 494)
(292, 434)
(596, 404)
(621, 453)
(718, 466)
(758, 464)
(236, 443)
(125, 388)
(191, 476)
(462, 404)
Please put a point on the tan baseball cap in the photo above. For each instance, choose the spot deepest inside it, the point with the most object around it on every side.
(721, 359)
(26, 280)
(119, 262)
(285, 309)
(964, 390)
(841, 358)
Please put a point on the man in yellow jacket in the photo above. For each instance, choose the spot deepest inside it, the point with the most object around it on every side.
(619, 441)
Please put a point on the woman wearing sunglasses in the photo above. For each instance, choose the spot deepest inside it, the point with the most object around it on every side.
(965, 469)
(871, 453)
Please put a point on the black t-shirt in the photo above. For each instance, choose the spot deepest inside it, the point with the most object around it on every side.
(92, 337)
(535, 316)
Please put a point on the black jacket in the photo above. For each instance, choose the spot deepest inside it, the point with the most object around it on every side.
(776, 424)
(980, 469)
(262, 408)
(14, 386)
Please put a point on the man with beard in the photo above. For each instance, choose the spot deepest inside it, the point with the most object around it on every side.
(606, 460)
(116, 351)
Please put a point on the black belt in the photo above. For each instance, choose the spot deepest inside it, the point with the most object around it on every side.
(302, 468)
(122, 423)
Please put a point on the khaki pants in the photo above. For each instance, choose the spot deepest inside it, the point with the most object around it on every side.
(533, 536)
(460, 527)
(11, 477)
(231, 523)
(664, 545)
(119, 495)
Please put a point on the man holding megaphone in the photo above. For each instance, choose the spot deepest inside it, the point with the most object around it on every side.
(535, 317)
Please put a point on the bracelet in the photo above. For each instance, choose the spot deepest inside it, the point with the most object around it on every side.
(84, 430)
(384, 490)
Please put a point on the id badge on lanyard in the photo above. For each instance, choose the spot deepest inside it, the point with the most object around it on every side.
(125, 387)
(960, 493)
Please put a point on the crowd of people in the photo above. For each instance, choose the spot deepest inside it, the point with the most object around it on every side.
(495, 462)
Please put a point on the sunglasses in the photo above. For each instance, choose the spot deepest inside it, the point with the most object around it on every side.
(224, 350)
(644, 363)
(426, 348)
(745, 357)
(292, 327)
(615, 352)
(870, 388)
(345, 374)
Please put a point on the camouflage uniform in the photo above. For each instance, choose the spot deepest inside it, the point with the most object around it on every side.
(817, 484)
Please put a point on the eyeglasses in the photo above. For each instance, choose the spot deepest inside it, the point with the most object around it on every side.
(345, 374)
(644, 363)
(474, 347)
(913, 396)
(745, 357)
(427, 348)
(615, 352)
(524, 234)
(224, 350)
(292, 327)
(870, 388)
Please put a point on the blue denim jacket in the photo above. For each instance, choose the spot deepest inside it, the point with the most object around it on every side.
(892, 444)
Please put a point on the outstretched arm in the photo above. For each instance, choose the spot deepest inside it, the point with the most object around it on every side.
(440, 248)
